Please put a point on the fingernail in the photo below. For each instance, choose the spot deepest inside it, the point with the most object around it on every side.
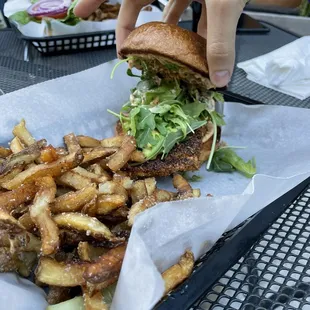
(221, 78)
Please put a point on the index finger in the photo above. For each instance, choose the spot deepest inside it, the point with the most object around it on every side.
(84, 8)
(126, 21)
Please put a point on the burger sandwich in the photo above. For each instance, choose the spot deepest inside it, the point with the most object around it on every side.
(171, 111)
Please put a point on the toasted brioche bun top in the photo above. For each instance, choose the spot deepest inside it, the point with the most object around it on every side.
(166, 42)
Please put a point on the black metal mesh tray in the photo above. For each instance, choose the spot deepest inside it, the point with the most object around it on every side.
(261, 264)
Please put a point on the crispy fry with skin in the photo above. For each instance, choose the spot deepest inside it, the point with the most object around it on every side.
(106, 266)
(61, 151)
(88, 142)
(16, 146)
(74, 180)
(182, 186)
(24, 157)
(41, 215)
(96, 169)
(26, 221)
(22, 240)
(94, 302)
(92, 176)
(123, 180)
(74, 201)
(51, 272)
(113, 187)
(4, 152)
(148, 202)
(72, 143)
(108, 203)
(57, 294)
(90, 208)
(112, 142)
(142, 188)
(10, 176)
(12, 199)
(23, 134)
(49, 154)
(118, 160)
(53, 169)
(178, 272)
(98, 153)
(82, 222)
(88, 252)
(137, 157)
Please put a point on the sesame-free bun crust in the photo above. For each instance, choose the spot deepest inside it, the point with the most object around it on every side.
(170, 42)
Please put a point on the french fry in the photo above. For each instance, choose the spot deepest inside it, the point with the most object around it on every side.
(148, 202)
(53, 169)
(74, 201)
(94, 302)
(24, 157)
(23, 134)
(118, 160)
(112, 142)
(51, 272)
(92, 176)
(88, 252)
(142, 188)
(88, 142)
(90, 208)
(178, 272)
(97, 169)
(22, 240)
(49, 154)
(137, 157)
(57, 294)
(12, 199)
(98, 152)
(10, 176)
(27, 261)
(74, 180)
(61, 151)
(82, 222)
(106, 266)
(4, 152)
(182, 186)
(41, 215)
(26, 221)
(120, 214)
(72, 143)
(113, 187)
(16, 146)
(108, 203)
(123, 180)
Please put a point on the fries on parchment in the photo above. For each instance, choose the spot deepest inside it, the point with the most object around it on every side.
(66, 212)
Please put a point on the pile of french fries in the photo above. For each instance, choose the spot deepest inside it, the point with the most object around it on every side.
(66, 213)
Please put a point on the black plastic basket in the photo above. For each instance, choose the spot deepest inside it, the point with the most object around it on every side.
(65, 44)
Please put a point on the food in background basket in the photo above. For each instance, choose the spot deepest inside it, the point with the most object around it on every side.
(171, 112)
(62, 10)
(105, 11)
(66, 215)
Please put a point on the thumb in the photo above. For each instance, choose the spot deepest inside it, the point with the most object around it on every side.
(222, 17)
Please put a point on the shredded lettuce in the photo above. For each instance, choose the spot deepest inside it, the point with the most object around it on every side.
(23, 18)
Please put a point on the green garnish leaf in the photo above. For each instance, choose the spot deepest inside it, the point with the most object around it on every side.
(23, 18)
(108, 293)
(226, 160)
(217, 97)
(117, 65)
(171, 139)
(194, 109)
(171, 66)
(129, 73)
(218, 118)
(146, 119)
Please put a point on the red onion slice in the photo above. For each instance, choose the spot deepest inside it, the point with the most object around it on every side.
(49, 7)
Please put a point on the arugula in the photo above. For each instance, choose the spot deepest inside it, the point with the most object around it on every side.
(225, 159)
(193, 178)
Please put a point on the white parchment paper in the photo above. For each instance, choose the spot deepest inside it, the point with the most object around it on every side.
(56, 28)
(277, 136)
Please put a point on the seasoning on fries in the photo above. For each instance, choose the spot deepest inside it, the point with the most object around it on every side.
(66, 214)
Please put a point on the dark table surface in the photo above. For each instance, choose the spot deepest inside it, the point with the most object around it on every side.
(16, 73)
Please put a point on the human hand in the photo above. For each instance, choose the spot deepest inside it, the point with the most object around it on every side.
(218, 23)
